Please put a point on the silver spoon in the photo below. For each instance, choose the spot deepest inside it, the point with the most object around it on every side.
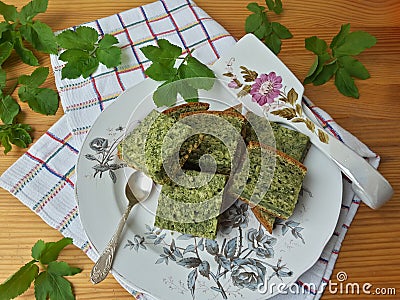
(137, 189)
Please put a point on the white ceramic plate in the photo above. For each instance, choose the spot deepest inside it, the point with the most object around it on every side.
(169, 265)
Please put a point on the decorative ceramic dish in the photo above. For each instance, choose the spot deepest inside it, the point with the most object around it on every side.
(245, 261)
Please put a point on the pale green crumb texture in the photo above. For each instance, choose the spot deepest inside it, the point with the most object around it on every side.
(132, 148)
(191, 210)
(161, 147)
(280, 198)
(291, 142)
(266, 219)
(219, 150)
(152, 144)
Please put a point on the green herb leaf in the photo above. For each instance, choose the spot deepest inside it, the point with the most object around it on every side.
(37, 249)
(9, 12)
(110, 57)
(254, 23)
(19, 282)
(79, 63)
(164, 53)
(281, 31)
(3, 79)
(273, 42)
(9, 109)
(16, 134)
(195, 69)
(345, 83)
(20, 136)
(84, 54)
(5, 142)
(161, 72)
(41, 100)
(354, 43)
(320, 62)
(40, 36)
(53, 286)
(263, 31)
(83, 38)
(25, 54)
(186, 80)
(62, 269)
(107, 41)
(53, 249)
(316, 45)
(254, 7)
(189, 94)
(275, 6)
(5, 51)
(339, 38)
(326, 74)
(340, 62)
(36, 79)
(4, 27)
(354, 67)
(165, 94)
(270, 33)
(29, 11)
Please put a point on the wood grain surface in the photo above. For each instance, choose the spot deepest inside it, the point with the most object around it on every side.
(371, 250)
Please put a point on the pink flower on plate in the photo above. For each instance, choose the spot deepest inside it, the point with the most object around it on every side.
(266, 88)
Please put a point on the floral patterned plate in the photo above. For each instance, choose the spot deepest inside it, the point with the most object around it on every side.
(245, 261)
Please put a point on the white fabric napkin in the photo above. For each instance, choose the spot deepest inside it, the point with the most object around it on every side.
(44, 177)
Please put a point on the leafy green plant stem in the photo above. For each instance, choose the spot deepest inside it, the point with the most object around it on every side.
(84, 51)
(271, 33)
(337, 61)
(49, 277)
(185, 78)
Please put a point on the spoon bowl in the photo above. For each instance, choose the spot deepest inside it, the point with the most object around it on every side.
(137, 189)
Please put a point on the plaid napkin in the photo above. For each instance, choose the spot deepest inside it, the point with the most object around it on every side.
(44, 177)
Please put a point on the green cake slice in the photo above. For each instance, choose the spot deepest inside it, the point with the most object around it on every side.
(291, 142)
(223, 132)
(280, 197)
(132, 148)
(264, 218)
(192, 207)
(153, 148)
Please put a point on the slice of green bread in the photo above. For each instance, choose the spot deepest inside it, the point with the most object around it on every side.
(280, 197)
(132, 148)
(221, 139)
(291, 142)
(176, 111)
(152, 147)
(192, 209)
(264, 218)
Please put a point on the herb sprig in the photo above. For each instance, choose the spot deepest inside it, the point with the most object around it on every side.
(339, 61)
(83, 54)
(181, 75)
(50, 282)
(18, 29)
(271, 33)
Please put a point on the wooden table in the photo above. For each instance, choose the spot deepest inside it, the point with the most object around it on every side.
(371, 250)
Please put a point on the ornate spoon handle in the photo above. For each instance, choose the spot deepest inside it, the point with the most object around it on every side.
(103, 265)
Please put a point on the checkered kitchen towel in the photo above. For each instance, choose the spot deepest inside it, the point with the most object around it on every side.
(44, 177)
